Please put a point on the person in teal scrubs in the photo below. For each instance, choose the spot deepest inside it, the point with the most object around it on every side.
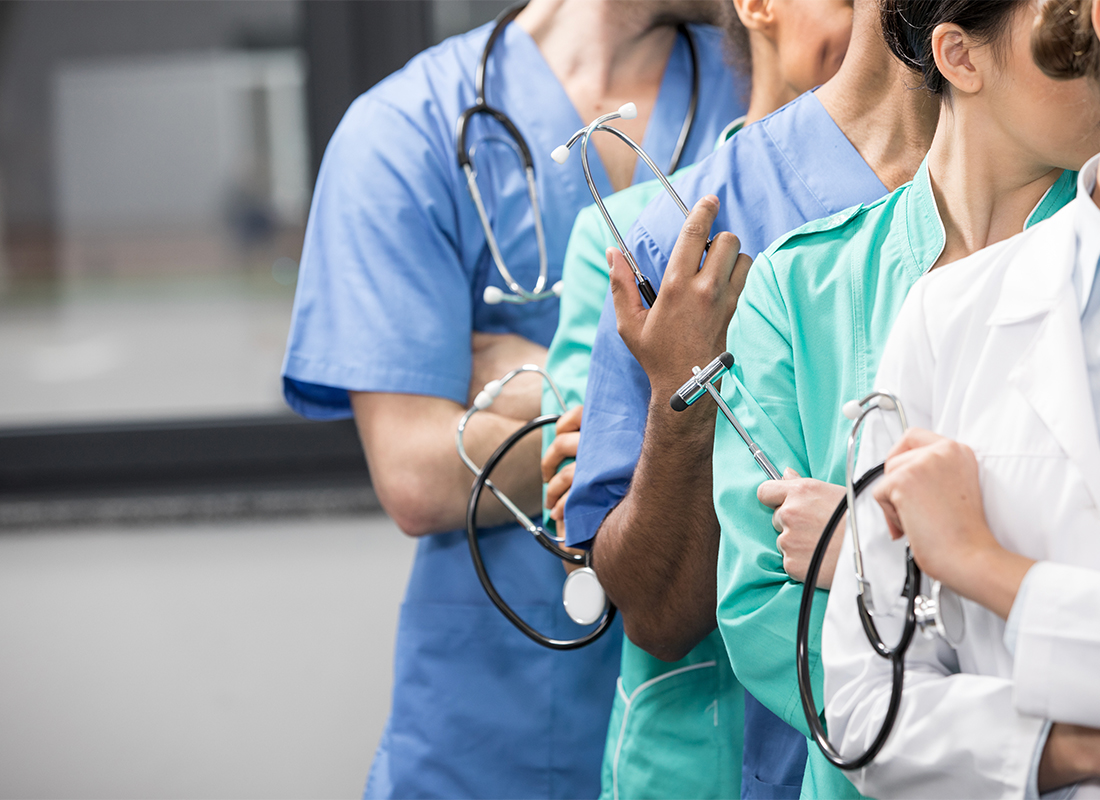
(651, 517)
(819, 304)
(679, 701)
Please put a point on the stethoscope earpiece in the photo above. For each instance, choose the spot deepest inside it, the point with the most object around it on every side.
(561, 154)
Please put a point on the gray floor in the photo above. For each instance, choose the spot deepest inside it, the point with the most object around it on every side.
(246, 660)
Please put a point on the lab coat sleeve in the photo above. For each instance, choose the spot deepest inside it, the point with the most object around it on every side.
(384, 299)
(757, 601)
(1057, 653)
(957, 734)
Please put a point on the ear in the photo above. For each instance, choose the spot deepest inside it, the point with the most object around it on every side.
(756, 15)
(952, 50)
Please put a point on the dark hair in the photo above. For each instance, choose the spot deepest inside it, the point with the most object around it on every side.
(1063, 43)
(907, 26)
(737, 47)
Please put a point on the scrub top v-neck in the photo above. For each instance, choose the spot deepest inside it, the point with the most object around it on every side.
(392, 274)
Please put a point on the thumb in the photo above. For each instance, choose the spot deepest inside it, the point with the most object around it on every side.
(790, 473)
(630, 314)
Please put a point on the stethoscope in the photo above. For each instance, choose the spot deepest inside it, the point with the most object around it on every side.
(628, 111)
(582, 595)
(939, 614)
(519, 294)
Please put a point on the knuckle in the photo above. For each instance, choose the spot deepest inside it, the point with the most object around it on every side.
(695, 229)
(728, 240)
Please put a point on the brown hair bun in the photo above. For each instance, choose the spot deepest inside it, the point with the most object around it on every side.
(1063, 43)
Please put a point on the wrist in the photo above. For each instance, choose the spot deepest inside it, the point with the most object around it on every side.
(1071, 755)
(696, 422)
(990, 575)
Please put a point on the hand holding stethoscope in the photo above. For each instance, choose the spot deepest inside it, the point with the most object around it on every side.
(937, 614)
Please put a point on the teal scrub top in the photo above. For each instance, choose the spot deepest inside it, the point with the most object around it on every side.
(808, 333)
(791, 167)
(695, 704)
(696, 701)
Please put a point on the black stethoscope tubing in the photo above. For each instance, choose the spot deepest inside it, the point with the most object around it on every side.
(481, 106)
(896, 654)
(540, 536)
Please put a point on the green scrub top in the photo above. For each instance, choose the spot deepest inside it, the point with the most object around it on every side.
(808, 333)
(675, 728)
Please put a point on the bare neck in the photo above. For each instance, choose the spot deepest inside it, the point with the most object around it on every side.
(604, 42)
(769, 90)
(985, 187)
(604, 53)
(872, 101)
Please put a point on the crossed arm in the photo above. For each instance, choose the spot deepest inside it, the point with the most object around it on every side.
(409, 441)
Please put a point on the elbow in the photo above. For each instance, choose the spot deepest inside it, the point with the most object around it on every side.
(664, 639)
(414, 508)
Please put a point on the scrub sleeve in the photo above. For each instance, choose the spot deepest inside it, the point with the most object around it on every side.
(389, 293)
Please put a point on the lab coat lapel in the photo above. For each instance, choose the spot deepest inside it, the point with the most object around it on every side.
(1051, 372)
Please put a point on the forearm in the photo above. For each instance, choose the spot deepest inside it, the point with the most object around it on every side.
(1071, 755)
(416, 470)
(990, 576)
(657, 551)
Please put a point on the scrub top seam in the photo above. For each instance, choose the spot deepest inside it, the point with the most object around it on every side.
(858, 323)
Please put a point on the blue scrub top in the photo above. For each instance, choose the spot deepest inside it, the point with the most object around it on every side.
(389, 290)
(771, 177)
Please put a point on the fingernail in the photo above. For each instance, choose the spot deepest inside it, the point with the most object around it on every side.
(610, 259)
(714, 201)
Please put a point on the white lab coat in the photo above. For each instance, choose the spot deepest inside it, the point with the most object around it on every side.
(987, 351)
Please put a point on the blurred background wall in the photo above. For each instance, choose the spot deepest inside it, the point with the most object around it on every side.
(198, 592)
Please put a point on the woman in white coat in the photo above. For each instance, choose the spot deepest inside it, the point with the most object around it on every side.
(996, 361)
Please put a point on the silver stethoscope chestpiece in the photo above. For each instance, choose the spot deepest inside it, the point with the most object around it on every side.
(942, 614)
(583, 597)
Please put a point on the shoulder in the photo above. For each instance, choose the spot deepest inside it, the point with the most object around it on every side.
(444, 68)
(627, 204)
(424, 97)
(839, 227)
(805, 259)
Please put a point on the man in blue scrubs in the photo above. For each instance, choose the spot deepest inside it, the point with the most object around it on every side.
(389, 323)
(642, 488)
